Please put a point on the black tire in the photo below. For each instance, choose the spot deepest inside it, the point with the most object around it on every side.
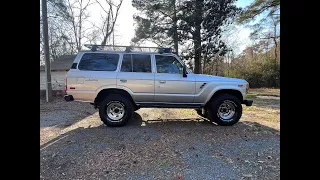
(123, 101)
(231, 101)
(136, 108)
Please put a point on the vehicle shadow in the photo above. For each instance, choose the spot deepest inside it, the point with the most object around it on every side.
(141, 127)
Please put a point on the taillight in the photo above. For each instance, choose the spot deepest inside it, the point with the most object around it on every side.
(66, 86)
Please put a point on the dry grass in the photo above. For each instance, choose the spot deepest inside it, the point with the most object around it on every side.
(264, 111)
(265, 92)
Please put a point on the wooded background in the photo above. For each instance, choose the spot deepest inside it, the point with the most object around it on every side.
(200, 31)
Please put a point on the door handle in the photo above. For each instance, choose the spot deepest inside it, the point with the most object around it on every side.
(162, 81)
(123, 80)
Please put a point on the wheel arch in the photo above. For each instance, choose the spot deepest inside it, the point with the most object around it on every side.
(232, 91)
(107, 91)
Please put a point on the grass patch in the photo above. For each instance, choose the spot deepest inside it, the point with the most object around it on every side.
(265, 111)
(252, 95)
(264, 92)
(266, 102)
(187, 112)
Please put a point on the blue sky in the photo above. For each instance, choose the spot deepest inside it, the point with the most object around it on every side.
(243, 3)
(125, 24)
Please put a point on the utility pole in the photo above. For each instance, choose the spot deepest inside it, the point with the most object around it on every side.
(46, 51)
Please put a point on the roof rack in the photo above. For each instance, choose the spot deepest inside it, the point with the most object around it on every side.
(127, 49)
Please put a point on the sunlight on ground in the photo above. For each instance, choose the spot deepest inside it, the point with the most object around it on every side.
(263, 111)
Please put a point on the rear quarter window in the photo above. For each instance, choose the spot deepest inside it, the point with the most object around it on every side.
(99, 62)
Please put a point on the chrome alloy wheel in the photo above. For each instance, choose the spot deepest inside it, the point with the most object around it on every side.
(115, 110)
(226, 110)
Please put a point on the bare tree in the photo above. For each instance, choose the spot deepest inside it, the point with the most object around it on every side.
(275, 23)
(60, 36)
(111, 11)
(78, 10)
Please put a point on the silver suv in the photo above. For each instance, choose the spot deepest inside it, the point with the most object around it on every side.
(120, 82)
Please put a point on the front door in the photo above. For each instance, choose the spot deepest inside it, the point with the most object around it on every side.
(170, 85)
(136, 75)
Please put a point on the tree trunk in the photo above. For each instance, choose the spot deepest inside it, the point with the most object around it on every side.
(275, 43)
(197, 50)
(104, 42)
(113, 38)
(204, 64)
(275, 52)
(228, 57)
(217, 61)
(197, 37)
(175, 28)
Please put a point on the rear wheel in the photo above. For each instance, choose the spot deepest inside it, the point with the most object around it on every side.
(115, 110)
(225, 110)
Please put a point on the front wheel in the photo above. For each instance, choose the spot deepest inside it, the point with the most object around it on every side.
(115, 110)
(225, 110)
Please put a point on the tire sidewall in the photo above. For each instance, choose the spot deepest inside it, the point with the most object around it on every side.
(216, 104)
(120, 99)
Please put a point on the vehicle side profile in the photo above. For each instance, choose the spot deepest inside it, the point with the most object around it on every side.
(120, 82)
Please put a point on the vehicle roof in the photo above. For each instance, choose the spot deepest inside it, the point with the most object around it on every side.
(122, 52)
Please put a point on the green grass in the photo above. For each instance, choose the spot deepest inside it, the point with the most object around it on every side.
(252, 95)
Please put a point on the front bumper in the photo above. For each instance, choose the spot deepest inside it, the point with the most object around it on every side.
(68, 98)
(247, 102)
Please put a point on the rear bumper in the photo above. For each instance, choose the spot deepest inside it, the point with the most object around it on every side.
(68, 98)
(247, 102)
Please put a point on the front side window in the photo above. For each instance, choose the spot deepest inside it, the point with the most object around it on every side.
(136, 63)
(168, 64)
(98, 62)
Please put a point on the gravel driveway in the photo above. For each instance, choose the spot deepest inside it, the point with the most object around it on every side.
(157, 144)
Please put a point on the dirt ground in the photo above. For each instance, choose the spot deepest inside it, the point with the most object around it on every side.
(160, 143)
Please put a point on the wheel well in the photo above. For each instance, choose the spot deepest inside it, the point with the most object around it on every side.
(105, 92)
(233, 92)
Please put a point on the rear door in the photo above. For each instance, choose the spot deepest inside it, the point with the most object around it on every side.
(136, 76)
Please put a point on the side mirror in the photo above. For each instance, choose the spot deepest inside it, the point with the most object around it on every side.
(184, 71)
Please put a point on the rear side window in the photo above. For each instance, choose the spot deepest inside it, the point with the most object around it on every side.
(136, 63)
(99, 62)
